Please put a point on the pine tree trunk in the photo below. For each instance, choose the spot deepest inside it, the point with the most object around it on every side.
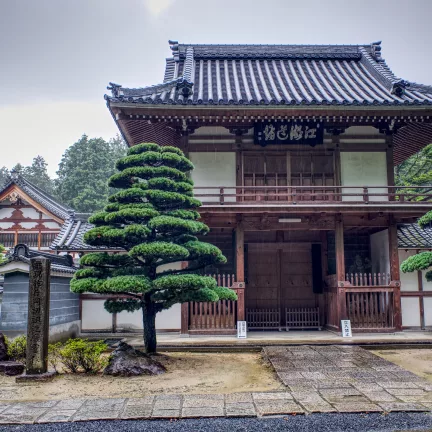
(149, 325)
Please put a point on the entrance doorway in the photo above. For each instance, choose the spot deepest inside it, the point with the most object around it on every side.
(280, 286)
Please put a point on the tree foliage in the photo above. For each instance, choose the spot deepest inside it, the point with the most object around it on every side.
(84, 170)
(152, 217)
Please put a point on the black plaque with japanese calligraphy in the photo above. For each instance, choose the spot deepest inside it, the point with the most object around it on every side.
(288, 132)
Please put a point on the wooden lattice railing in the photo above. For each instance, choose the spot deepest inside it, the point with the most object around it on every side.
(220, 315)
(368, 279)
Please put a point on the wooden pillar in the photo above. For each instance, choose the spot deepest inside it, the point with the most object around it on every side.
(421, 299)
(340, 269)
(240, 269)
(340, 252)
(390, 166)
(395, 272)
(184, 313)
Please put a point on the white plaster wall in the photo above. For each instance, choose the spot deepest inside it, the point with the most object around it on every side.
(379, 245)
(94, 315)
(51, 225)
(30, 213)
(6, 225)
(364, 169)
(409, 281)
(427, 286)
(427, 301)
(411, 311)
(28, 225)
(6, 212)
(214, 169)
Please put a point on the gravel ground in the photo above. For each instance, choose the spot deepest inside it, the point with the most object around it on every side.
(313, 423)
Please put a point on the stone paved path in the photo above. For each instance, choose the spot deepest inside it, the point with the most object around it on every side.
(317, 379)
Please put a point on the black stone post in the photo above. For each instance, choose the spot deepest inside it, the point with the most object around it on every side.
(38, 316)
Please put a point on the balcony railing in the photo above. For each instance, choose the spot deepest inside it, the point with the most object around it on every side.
(292, 195)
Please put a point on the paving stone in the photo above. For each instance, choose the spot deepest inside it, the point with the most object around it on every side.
(287, 376)
(424, 385)
(380, 396)
(340, 392)
(397, 384)
(318, 408)
(314, 375)
(168, 402)
(347, 399)
(57, 416)
(202, 412)
(137, 411)
(4, 406)
(36, 404)
(357, 407)
(165, 413)
(271, 396)
(69, 404)
(93, 414)
(406, 391)
(402, 406)
(146, 400)
(240, 409)
(103, 404)
(428, 405)
(308, 397)
(238, 397)
(367, 387)
(332, 385)
(202, 403)
(277, 407)
(427, 397)
(21, 418)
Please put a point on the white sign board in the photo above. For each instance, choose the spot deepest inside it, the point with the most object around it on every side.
(346, 328)
(241, 330)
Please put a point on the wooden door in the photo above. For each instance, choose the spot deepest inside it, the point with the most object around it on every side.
(263, 279)
(296, 276)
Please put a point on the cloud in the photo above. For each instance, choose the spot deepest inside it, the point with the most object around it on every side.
(48, 129)
(156, 7)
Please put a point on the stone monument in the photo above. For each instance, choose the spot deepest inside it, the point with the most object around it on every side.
(38, 321)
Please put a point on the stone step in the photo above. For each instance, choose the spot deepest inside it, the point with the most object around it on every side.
(11, 368)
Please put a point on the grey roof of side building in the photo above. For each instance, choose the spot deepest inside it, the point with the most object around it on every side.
(41, 197)
(71, 235)
(59, 263)
(411, 236)
(276, 75)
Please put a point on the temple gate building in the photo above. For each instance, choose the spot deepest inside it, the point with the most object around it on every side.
(294, 149)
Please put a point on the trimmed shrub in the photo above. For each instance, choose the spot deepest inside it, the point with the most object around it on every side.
(17, 348)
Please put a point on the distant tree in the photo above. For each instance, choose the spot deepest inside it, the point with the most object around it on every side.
(153, 218)
(4, 173)
(84, 170)
(2, 253)
(37, 174)
(416, 170)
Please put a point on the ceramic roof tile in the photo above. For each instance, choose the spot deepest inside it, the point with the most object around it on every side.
(277, 75)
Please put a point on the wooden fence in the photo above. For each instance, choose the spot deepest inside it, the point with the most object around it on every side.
(302, 318)
(214, 316)
(263, 319)
(368, 279)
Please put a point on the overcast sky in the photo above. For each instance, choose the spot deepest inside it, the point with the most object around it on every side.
(57, 56)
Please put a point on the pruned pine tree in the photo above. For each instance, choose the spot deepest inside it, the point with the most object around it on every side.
(422, 260)
(153, 218)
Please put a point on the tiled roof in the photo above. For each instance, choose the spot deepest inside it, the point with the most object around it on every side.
(412, 236)
(276, 75)
(71, 235)
(59, 263)
(40, 196)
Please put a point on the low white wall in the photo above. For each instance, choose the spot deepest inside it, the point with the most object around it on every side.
(94, 316)
(409, 281)
(364, 169)
(214, 169)
(410, 312)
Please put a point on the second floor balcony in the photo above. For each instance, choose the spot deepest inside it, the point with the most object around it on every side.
(321, 196)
